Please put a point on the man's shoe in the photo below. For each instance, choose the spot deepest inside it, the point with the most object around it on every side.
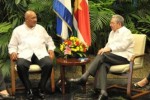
(79, 81)
(30, 95)
(6, 97)
(102, 97)
(41, 94)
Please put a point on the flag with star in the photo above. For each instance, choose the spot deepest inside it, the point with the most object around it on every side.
(81, 21)
(63, 10)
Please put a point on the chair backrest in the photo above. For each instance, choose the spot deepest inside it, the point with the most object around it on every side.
(139, 48)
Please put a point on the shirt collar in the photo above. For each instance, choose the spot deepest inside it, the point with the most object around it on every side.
(28, 27)
(119, 30)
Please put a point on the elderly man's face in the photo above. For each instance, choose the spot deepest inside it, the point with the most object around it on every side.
(114, 25)
(31, 19)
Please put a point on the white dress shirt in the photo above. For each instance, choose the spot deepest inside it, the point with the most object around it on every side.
(121, 42)
(26, 41)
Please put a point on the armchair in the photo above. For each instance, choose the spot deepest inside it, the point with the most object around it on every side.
(136, 62)
(33, 69)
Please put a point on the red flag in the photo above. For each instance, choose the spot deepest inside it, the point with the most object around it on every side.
(82, 21)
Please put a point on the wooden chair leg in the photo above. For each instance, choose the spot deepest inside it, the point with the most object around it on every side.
(13, 85)
(52, 80)
(13, 78)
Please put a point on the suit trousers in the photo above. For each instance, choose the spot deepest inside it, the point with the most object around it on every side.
(23, 70)
(100, 67)
(2, 83)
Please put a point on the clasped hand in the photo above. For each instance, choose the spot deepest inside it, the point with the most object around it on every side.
(13, 56)
(102, 50)
(51, 54)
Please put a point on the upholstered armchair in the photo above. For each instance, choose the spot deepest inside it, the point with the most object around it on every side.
(136, 62)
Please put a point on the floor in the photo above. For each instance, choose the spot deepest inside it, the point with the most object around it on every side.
(74, 92)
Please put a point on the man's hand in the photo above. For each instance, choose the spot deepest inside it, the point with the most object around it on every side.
(101, 51)
(13, 56)
(51, 54)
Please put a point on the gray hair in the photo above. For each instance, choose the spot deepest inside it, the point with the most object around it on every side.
(119, 19)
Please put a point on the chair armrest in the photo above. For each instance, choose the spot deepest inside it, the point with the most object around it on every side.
(131, 64)
(12, 65)
(136, 56)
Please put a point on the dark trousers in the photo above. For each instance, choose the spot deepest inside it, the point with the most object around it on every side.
(2, 83)
(23, 70)
(100, 67)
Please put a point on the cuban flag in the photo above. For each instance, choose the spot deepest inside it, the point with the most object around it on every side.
(63, 10)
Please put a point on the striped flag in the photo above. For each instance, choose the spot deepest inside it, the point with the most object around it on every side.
(64, 17)
(81, 21)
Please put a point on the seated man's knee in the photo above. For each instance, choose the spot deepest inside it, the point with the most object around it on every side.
(46, 61)
(22, 63)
